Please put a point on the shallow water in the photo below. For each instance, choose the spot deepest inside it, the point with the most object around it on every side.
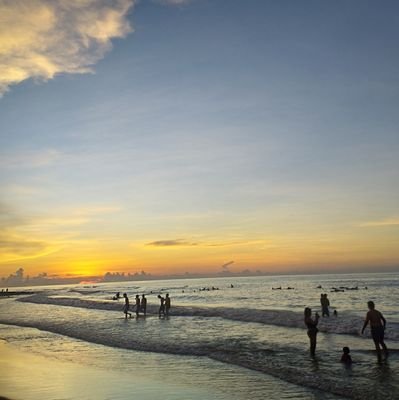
(264, 341)
(49, 366)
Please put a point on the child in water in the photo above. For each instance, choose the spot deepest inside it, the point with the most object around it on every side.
(346, 358)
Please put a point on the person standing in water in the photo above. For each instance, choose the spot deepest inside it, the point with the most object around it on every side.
(377, 326)
(126, 306)
(325, 303)
(162, 305)
(167, 304)
(144, 304)
(138, 305)
(346, 358)
(311, 324)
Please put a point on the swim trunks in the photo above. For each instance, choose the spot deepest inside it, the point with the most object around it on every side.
(377, 333)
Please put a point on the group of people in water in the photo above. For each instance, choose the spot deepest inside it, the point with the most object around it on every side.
(141, 305)
(373, 317)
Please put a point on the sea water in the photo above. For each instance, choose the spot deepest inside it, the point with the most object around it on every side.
(235, 338)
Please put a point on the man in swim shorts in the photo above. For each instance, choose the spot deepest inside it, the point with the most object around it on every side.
(377, 326)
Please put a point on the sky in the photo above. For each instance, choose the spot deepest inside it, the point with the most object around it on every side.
(198, 136)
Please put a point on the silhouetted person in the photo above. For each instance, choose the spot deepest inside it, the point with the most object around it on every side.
(167, 304)
(346, 358)
(138, 305)
(377, 326)
(311, 324)
(162, 305)
(144, 304)
(126, 306)
(325, 303)
(335, 313)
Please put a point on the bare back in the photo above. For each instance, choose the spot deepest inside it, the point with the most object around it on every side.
(375, 318)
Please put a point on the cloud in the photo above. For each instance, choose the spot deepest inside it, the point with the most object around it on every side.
(97, 210)
(172, 2)
(236, 243)
(29, 159)
(21, 246)
(170, 243)
(384, 222)
(42, 38)
(226, 266)
(32, 236)
(183, 242)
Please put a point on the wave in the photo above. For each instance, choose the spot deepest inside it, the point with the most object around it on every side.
(345, 323)
(85, 291)
(214, 333)
(289, 363)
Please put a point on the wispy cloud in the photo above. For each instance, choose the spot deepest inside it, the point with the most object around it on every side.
(170, 243)
(30, 159)
(226, 266)
(383, 222)
(172, 2)
(236, 243)
(184, 242)
(42, 38)
(32, 236)
(97, 210)
(20, 246)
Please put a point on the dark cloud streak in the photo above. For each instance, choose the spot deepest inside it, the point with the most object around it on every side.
(171, 243)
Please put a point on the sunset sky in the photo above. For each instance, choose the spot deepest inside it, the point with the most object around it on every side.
(172, 136)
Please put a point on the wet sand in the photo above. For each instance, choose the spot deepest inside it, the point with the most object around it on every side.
(34, 377)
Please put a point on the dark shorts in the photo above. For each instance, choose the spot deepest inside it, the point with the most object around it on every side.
(377, 334)
(312, 332)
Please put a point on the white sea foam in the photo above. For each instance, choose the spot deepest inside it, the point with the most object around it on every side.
(346, 323)
(248, 325)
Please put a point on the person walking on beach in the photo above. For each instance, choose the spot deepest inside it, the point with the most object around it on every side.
(167, 304)
(126, 306)
(138, 305)
(144, 304)
(311, 324)
(162, 305)
(377, 326)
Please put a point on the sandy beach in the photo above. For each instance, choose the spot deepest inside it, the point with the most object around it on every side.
(49, 366)
(36, 377)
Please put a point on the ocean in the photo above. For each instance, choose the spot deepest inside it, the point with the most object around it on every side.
(226, 338)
